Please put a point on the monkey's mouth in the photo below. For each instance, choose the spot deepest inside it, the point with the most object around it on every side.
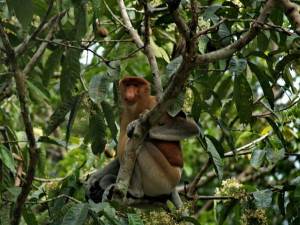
(130, 101)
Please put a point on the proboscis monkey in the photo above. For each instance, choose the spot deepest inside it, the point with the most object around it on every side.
(159, 161)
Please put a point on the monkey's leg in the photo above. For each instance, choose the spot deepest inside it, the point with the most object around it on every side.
(176, 199)
(100, 180)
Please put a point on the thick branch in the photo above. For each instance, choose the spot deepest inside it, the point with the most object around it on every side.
(239, 44)
(147, 48)
(33, 153)
(292, 12)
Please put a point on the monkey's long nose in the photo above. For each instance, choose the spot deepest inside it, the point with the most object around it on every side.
(130, 95)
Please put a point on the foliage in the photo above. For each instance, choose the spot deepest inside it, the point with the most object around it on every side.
(247, 105)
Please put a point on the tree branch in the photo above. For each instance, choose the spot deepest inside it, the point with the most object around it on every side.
(292, 12)
(21, 48)
(147, 49)
(41, 49)
(33, 153)
(239, 44)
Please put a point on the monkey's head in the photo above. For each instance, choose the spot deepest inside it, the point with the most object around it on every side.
(133, 90)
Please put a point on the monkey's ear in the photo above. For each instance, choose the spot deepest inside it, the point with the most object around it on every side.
(174, 129)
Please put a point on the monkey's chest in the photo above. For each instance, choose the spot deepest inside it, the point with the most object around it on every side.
(171, 151)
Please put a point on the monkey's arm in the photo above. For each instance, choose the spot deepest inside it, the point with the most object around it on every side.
(101, 179)
(174, 129)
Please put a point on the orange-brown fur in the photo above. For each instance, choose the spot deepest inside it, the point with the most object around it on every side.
(136, 98)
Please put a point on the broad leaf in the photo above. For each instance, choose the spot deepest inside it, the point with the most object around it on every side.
(257, 158)
(263, 199)
(97, 129)
(73, 113)
(51, 65)
(243, 98)
(110, 119)
(216, 158)
(76, 215)
(23, 10)
(134, 219)
(277, 132)
(7, 159)
(29, 216)
(264, 83)
(173, 66)
(59, 114)
(98, 88)
(70, 73)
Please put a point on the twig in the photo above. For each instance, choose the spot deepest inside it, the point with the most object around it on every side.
(55, 198)
(41, 49)
(247, 146)
(193, 185)
(21, 48)
(210, 29)
(147, 48)
(33, 152)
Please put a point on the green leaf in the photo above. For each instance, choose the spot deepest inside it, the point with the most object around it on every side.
(96, 6)
(4, 215)
(110, 119)
(134, 219)
(262, 41)
(196, 107)
(202, 44)
(264, 83)
(263, 199)
(7, 159)
(277, 132)
(273, 155)
(23, 10)
(51, 65)
(189, 219)
(98, 88)
(36, 93)
(173, 66)
(29, 216)
(177, 105)
(70, 73)
(59, 115)
(97, 129)
(114, 70)
(243, 98)
(237, 66)
(224, 209)
(76, 215)
(281, 202)
(216, 158)
(224, 34)
(73, 113)
(257, 158)
(81, 23)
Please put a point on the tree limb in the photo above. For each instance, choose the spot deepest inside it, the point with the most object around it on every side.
(147, 49)
(33, 152)
(21, 48)
(41, 49)
(292, 12)
(239, 44)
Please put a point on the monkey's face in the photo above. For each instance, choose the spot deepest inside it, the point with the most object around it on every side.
(133, 90)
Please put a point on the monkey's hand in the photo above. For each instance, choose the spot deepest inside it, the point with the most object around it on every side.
(131, 127)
